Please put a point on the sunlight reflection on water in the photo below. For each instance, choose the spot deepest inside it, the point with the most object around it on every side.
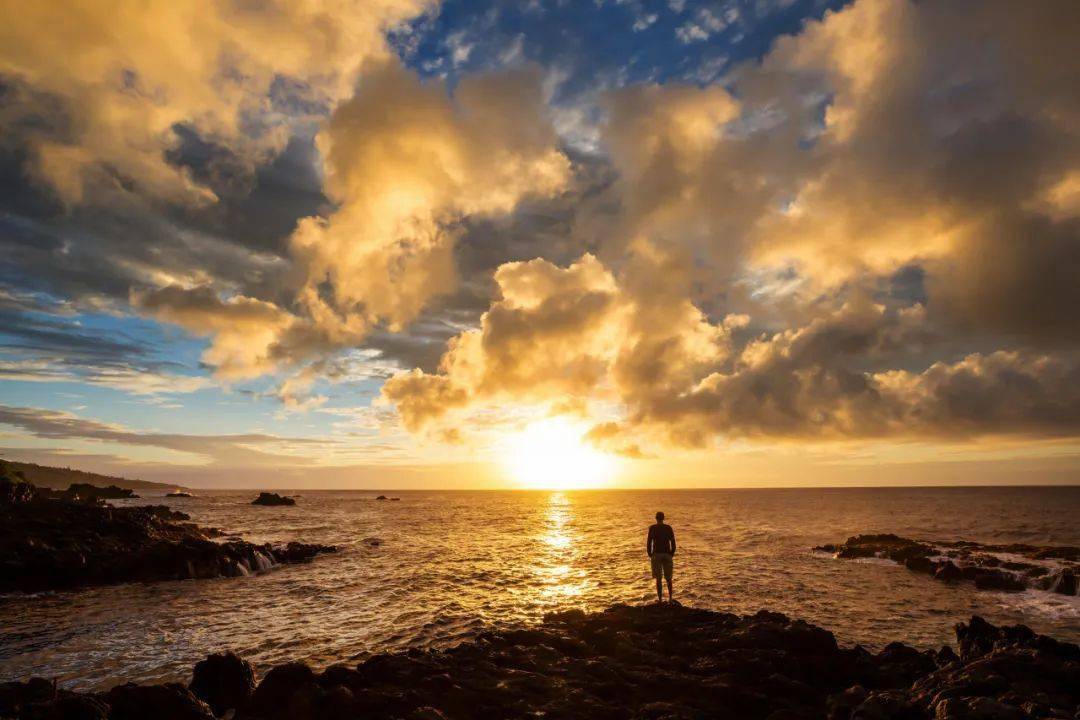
(557, 569)
(451, 564)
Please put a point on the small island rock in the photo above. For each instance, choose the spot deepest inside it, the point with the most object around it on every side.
(268, 498)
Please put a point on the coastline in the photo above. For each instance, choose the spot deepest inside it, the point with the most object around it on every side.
(650, 661)
(64, 541)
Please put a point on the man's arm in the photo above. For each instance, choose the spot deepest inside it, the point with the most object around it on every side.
(650, 540)
(672, 542)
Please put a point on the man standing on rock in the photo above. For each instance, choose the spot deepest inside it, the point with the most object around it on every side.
(661, 548)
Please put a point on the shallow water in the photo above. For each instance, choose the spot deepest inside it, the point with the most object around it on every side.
(450, 564)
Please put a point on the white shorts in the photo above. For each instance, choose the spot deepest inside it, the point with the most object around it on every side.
(662, 565)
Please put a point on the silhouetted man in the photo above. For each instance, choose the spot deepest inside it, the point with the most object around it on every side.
(661, 548)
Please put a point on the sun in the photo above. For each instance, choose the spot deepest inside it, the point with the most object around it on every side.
(552, 454)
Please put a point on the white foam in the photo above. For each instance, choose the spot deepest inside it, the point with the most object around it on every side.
(876, 561)
(262, 562)
(1043, 603)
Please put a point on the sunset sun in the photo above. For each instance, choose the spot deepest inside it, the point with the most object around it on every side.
(553, 454)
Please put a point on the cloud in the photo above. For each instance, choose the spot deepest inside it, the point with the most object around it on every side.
(103, 87)
(135, 380)
(249, 449)
(558, 333)
(45, 341)
(941, 148)
(871, 231)
(581, 332)
(405, 163)
(852, 150)
(643, 22)
(247, 332)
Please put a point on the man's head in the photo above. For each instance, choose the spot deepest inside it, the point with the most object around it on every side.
(660, 517)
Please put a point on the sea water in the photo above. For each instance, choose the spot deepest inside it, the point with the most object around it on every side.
(437, 568)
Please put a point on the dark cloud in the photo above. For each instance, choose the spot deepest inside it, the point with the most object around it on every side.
(39, 334)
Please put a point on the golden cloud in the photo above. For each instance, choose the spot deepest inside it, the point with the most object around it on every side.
(558, 333)
(581, 332)
(404, 161)
(125, 74)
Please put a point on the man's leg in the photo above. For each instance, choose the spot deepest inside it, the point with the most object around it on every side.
(669, 568)
(660, 590)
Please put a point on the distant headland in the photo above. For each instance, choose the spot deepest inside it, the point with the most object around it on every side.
(59, 478)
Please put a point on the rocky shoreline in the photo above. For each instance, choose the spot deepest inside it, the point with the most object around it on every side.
(657, 661)
(62, 541)
(1010, 568)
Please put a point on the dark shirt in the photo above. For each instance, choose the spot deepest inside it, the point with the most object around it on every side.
(661, 539)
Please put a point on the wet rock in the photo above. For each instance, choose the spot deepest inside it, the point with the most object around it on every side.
(978, 637)
(893, 547)
(997, 580)
(283, 693)
(889, 705)
(93, 493)
(657, 661)
(1063, 582)
(946, 656)
(15, 696)
(843, 705)
(921, 564)
(268, 498)
(178, 494)
(57, 544)
(223, 682)
(297, 552)
(971, 562)
(948, 572)
(79, 707)
(900, 665)
(977, 708)
(171, 701)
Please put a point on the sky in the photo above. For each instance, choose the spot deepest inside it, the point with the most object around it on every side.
(614, 243)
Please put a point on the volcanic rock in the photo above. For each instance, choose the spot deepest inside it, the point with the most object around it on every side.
(957, 561)
(658, 661)
(223, 682)
(268, 498)
(1064, 582)
(93, 493)
(62, 544)
(160, 702)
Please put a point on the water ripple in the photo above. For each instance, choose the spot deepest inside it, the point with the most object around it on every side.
(438, 568)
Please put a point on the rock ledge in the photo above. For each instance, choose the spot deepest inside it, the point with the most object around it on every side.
(660, 661)
(61, 544)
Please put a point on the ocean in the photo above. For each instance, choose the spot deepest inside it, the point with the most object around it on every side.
(438, 567)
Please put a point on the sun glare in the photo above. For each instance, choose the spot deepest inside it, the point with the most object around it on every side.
(552, 454)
